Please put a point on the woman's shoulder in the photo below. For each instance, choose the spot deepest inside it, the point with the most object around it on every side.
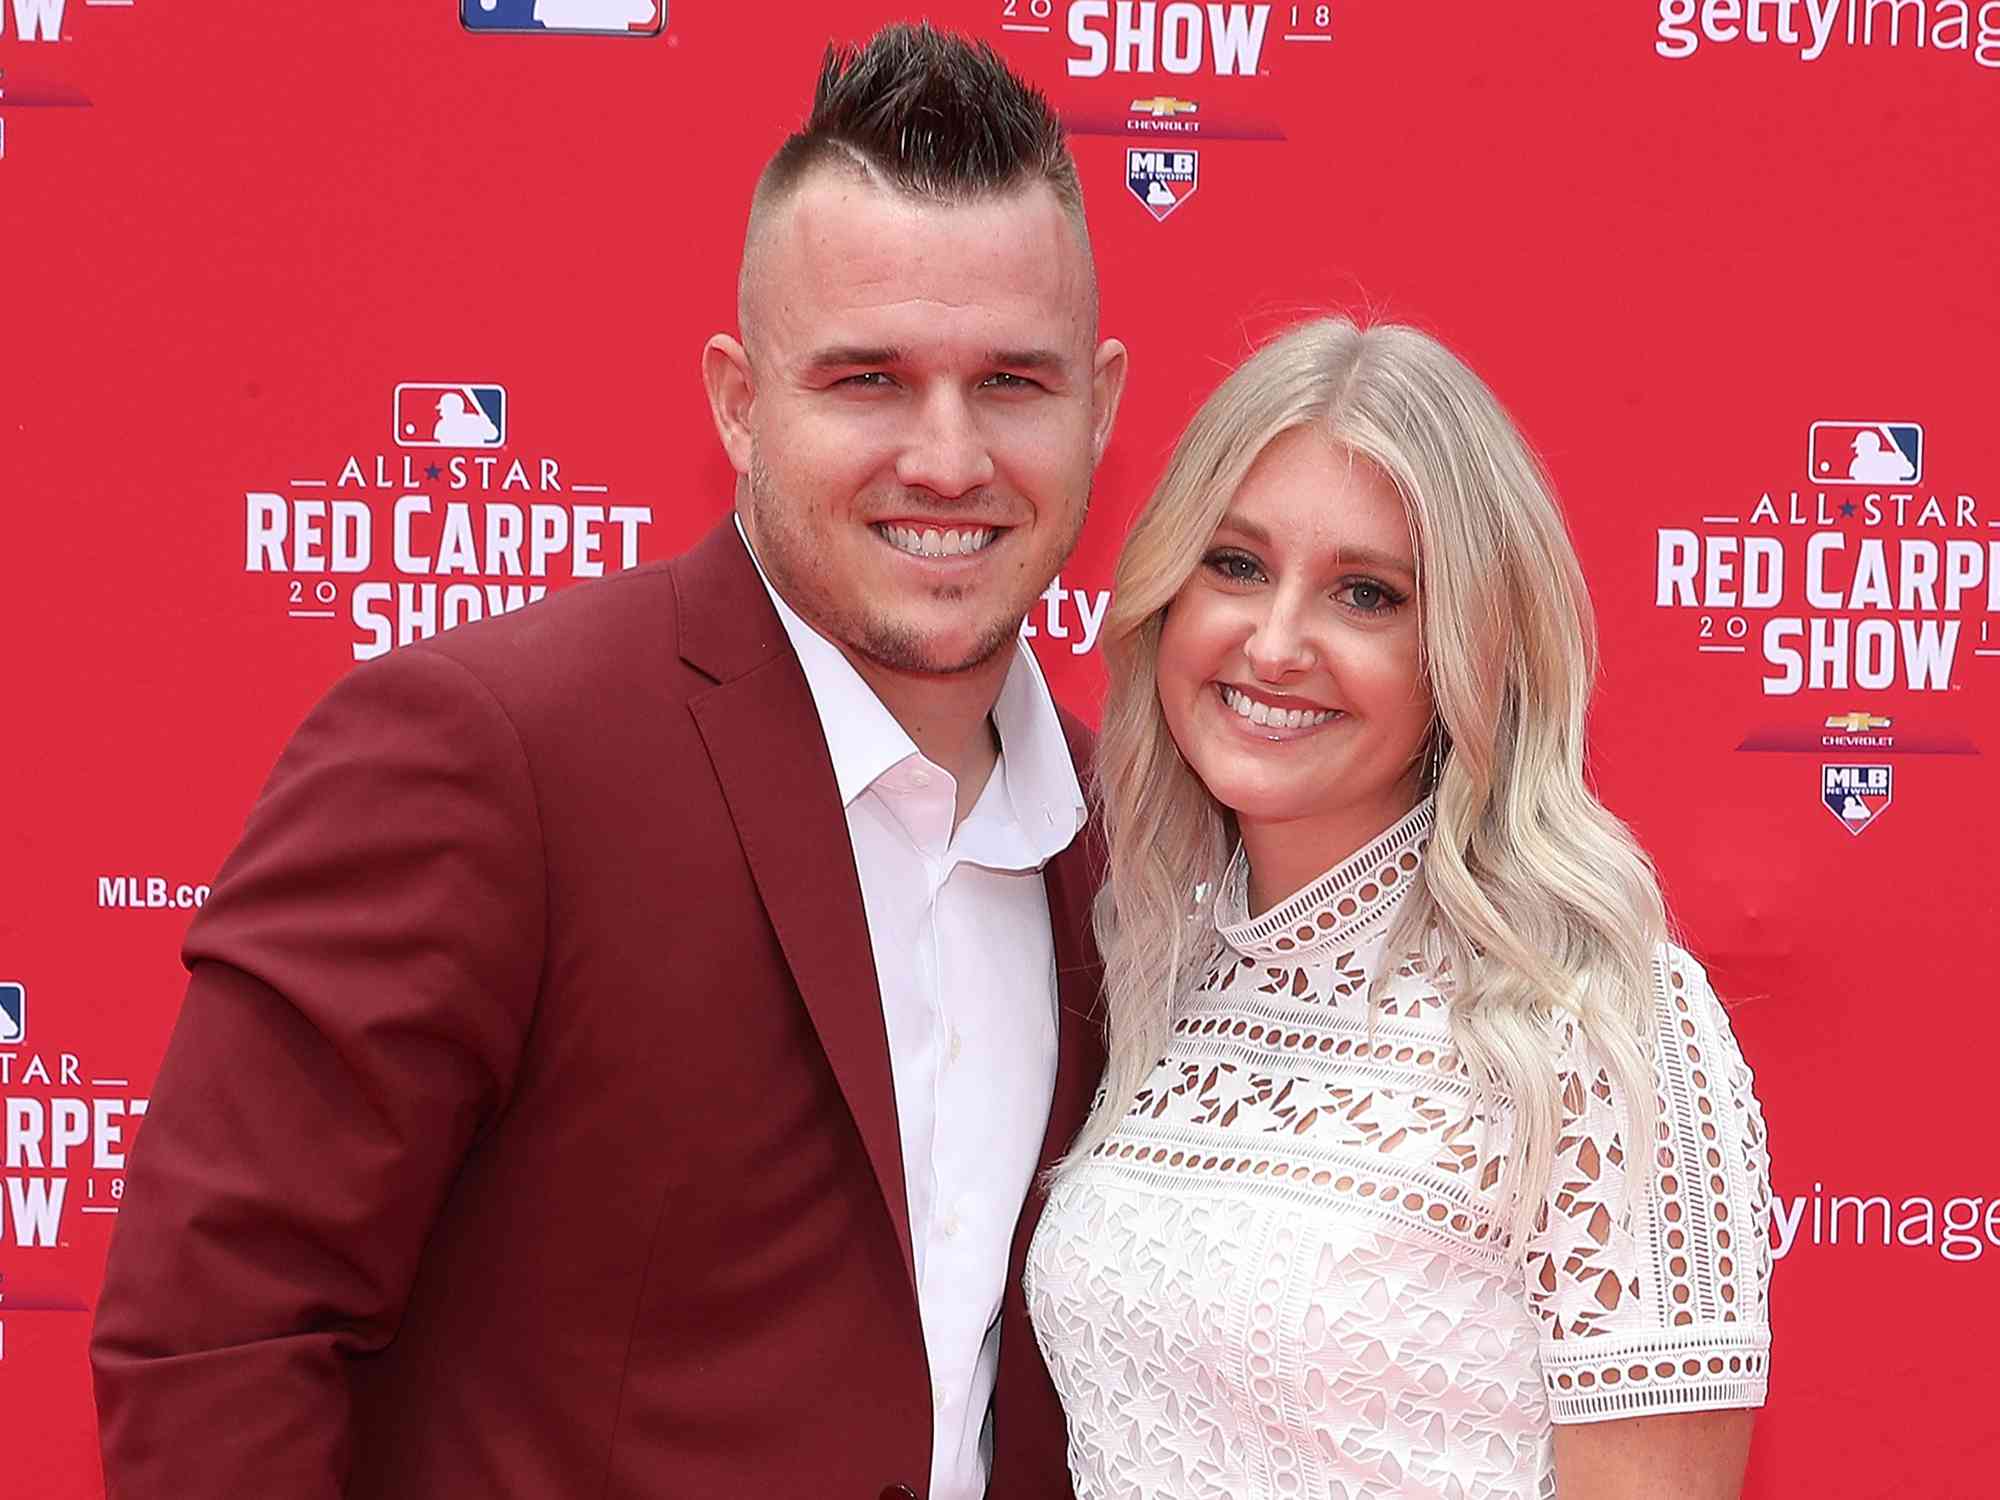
(1679, 996)
(1673, 962)
(1698, 1065)
(1698, 1061)
(1687, 1011)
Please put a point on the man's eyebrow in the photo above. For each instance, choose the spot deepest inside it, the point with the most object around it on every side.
(847, 356)
(1350, 557)
(1027, 359)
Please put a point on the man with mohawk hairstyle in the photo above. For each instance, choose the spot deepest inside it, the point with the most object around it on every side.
(620, 1050)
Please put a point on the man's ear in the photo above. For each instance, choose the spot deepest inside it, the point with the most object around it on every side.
(1107, 388)
(725, 374)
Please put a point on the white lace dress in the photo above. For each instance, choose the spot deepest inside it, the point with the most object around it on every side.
(1279, 1279)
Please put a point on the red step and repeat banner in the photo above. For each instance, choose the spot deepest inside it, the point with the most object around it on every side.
(327, 327)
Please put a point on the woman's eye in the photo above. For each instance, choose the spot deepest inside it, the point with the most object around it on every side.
(1237, 567)
(1370, 597)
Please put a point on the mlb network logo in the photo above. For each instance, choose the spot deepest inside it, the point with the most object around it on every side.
(13, 1014)
(575, 17)
(1857, 795)
(1161, 180)
(1865, 453)
(430, 415)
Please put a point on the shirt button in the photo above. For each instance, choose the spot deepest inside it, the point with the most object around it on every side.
(957, 1046)
(939, 1398)
(920, 778)
(952, 1225)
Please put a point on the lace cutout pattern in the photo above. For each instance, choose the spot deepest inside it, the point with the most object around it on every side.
(1279, 1279)
(1703, 1340)
(1263, 1355)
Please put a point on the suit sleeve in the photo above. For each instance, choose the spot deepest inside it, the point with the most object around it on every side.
(362, 979)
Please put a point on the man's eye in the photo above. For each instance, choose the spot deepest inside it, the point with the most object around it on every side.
(866, 380)
(1007, 381)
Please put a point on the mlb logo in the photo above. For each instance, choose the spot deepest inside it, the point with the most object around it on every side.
(1857, 795)
(575, 17)
(1161, 180)
(13, 1014)
(451, 416)
(1865, 453)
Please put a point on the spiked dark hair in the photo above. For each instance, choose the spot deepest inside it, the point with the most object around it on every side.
(930, 114)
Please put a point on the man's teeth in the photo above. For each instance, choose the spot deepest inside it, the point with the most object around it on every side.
(930, 542)
(1277, 718)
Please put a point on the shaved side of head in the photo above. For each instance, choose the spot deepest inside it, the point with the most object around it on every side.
(924, 114)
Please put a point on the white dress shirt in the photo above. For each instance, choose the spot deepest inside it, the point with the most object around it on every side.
(959, 924)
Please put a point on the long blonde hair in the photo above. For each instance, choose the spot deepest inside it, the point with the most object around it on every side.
(1534, 901)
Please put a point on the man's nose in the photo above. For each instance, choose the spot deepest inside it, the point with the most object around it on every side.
(947, 453)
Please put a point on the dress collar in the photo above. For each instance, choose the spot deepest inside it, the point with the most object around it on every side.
(1356, 896)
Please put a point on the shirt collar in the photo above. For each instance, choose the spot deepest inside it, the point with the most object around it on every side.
(865, 740)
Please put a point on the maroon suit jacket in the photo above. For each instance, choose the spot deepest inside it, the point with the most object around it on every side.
(528, 1128)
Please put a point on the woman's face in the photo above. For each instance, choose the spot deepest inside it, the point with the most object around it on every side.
(1288, 663)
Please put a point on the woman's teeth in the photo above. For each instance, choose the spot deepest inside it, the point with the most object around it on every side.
(930, 542)
(1277, 718)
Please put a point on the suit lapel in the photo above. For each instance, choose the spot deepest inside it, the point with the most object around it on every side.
(1071, 880)
(763, 737)
(1071, 884)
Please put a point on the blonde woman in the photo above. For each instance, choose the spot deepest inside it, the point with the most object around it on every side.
(1426, 1166)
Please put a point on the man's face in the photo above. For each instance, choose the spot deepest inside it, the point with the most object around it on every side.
(924, 410)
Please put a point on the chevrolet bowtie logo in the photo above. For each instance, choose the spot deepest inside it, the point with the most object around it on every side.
(1162, 106)
(1856, 723)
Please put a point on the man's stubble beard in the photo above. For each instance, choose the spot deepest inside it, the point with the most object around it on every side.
(784, 550)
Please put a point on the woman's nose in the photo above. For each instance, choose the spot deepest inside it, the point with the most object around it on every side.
(1279, 645)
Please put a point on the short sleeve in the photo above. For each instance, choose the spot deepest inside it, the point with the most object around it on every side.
(1654, 1301)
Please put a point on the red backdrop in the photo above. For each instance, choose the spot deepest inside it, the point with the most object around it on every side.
(1702, 250)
